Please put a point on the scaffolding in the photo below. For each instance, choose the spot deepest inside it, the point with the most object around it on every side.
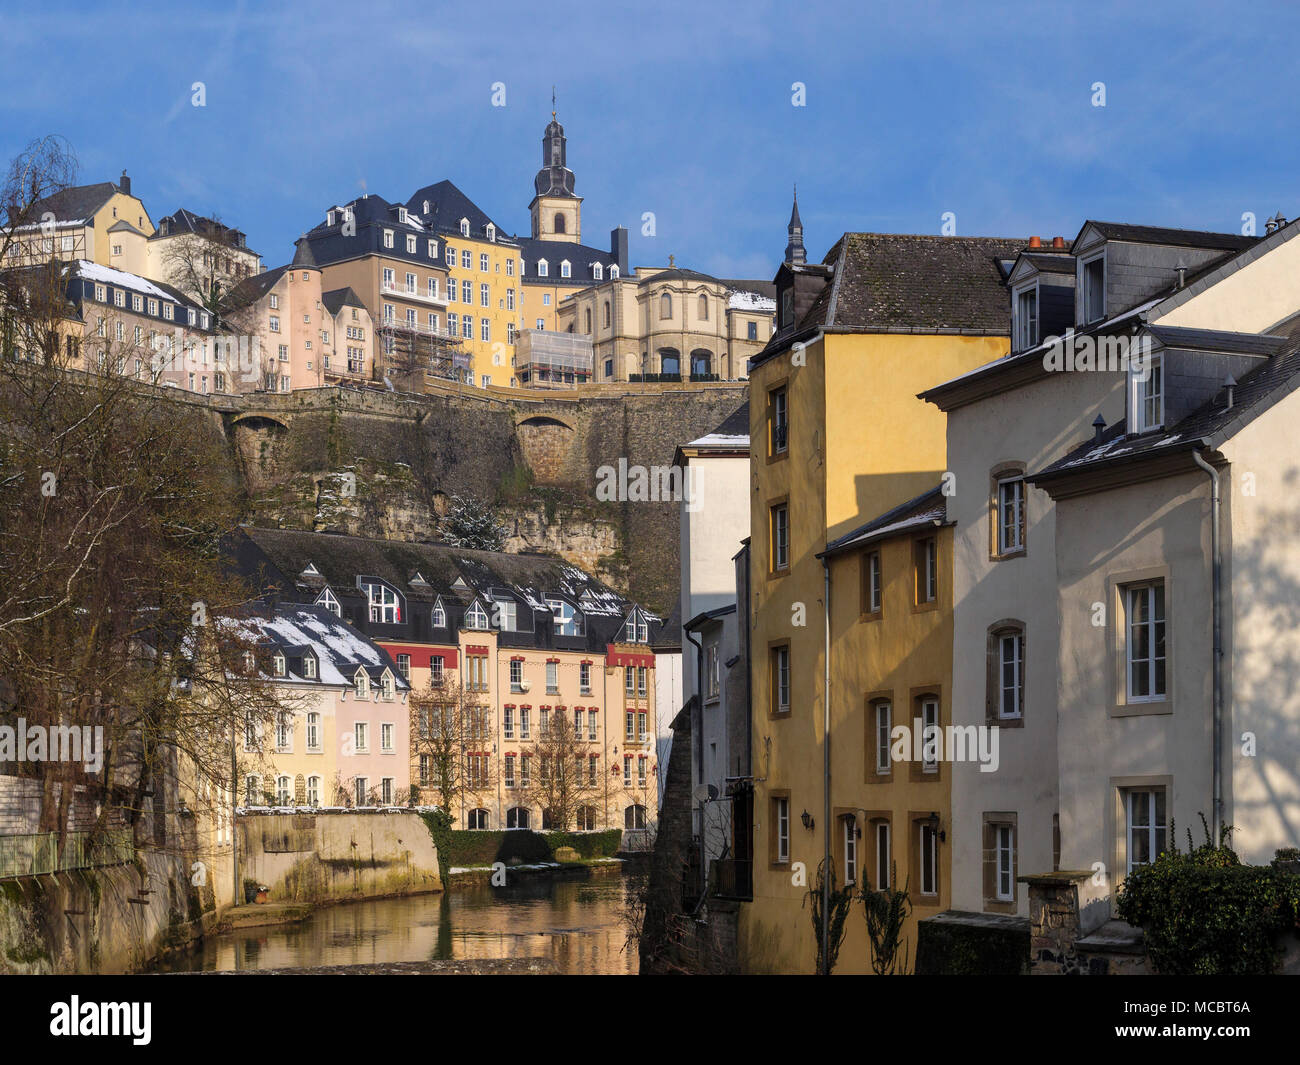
(545, 359)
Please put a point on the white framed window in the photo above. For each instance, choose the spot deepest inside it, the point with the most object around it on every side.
(543, 270)
(361, 736)
(386, 686)
(388, 238)
(385, 608)
(884, 726)
(1093, 288)
(404, 666)
(929, 735)
(283, 790)
(1027, 316)
(1004, 847)
(781, 679)
(476, 617)
(313, 791)
(410, 244)
(330, 603)
(361, 684)
(464, 227)
(850, 824)
(439, 617)
(566, 269)
(252, 790)
(1147, 825)
(362, 790)
(597, 271)
(1147, 394)
(1011, 674)
(1011, 514)
(874, 585)
(1145, 653)
(313, 731)
(781, 814)
(780, 536)
(283, 731)
(516, 675)
(386, 737)
(552, 678)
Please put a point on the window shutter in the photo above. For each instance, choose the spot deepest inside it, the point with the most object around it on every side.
(1024, 504)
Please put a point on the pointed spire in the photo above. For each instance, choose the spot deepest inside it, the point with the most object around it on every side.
(794, 250)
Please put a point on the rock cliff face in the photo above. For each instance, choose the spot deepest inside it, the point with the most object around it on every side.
(386, 465)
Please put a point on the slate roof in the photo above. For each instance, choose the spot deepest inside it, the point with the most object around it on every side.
(929, 509)
(763, 288)
(295, 629)
(76, 203)
(580, 257)
(336, 299)
(447, 206)
(251, 289)
(1208, 426)
(1057, 262)
(1192, 238)
(677, 273)
(185, 221)
(280, 558)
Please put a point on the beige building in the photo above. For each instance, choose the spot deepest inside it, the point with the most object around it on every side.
(671, 324)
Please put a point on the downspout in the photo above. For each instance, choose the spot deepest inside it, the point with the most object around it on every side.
(697, 744)
(826, 769)
(1216, 583)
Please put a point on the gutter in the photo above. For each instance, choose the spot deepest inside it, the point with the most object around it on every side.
(826, 770)
(1216, 593)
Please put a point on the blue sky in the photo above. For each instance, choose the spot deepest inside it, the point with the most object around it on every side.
(681, 109)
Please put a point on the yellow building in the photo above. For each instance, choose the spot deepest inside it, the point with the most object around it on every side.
(839, 438)
(103, 223)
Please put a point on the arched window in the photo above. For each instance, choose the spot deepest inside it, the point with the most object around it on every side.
(559, 222)
(704, 307)
(477, 818)
(666, 305)
(607, 314)
(634, 817)
(283, 790)
(701, 362)
(313, 791)
(566, 269)
(597, 271)
(543, 268)
(517, 817)
(613, 272)
(588, 321)
(464, 227)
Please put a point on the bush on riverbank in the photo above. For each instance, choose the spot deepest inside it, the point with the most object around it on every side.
(468, 847)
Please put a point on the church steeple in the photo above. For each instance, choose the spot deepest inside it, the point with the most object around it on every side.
(794, 250)
(556, 210)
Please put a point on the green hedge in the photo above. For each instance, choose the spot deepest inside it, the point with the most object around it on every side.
(467, 847)
(953, 949)
(1204, 913)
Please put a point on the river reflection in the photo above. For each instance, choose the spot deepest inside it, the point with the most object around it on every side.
(576, 924)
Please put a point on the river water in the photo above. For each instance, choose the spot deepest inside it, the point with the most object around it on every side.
(576, 924)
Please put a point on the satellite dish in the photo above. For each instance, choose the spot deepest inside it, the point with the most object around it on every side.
(706, 793)
(524, 685)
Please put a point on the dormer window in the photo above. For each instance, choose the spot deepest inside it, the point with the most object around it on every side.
(309, 666)
(386, 686)
(597, 271)
(464, 227)
(1093, 292)
(401, 214)
(330, 603)
(636, 630)
(1147, 395)
(476, 617)
(787, 307)
(426, 207)
(565, 269)
(543, 268)
(1026, 317)
(385, 604)
(566, 618)
(491, 232)
(439, 620)
(280, 665)
(329, 218)
(613, 273)
(361, 684)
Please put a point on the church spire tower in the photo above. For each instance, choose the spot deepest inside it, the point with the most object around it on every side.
(556, 211)
(794, 250)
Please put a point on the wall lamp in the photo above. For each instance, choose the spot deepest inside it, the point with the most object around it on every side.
(807, 820)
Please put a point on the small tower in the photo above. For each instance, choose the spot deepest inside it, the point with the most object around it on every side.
(556, 212)
(794, 250)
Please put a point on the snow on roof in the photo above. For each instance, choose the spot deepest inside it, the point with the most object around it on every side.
(107, 275)
(339, 648)
(751, 301)
(721, 440)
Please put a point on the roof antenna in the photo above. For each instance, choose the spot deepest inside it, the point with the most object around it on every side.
(552, 101)
(1230, 383)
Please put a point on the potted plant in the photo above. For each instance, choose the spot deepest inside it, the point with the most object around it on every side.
(263, 894)
(250, 890)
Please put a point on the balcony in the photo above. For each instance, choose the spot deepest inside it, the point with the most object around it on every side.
(732, 878)
(403, 291)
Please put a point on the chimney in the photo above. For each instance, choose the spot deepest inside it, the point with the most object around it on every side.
(1182, 273)
(618, 248)
(1098, 427)
(125, 184)
(1270, 225)
(1035, 242)
(1058, 242)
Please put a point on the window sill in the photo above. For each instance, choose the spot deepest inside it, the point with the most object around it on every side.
(926, 607)
(1006, 722)
(874, 615)
(1154, 707)
(1006, 556)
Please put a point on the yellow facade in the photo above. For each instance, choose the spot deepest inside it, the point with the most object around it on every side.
(500, 305)
(859, 444)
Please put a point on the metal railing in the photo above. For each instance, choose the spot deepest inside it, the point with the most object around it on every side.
(33, 854)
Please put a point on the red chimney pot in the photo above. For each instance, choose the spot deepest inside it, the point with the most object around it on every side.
(1058, 242)
(1035, 242)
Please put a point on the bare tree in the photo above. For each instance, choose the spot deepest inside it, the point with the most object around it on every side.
(45, 167)
(450, 726)
(560, 754)
(204, 262)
